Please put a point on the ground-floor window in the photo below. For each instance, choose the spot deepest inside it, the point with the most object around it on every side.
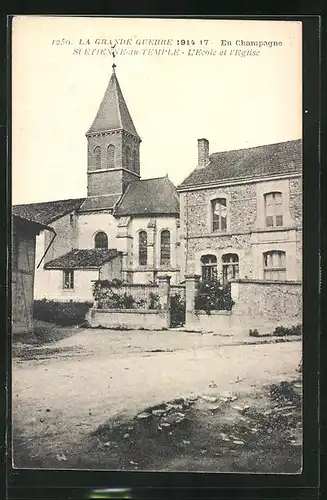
(274, 265)
(208, 267)
(68, 281)
(230, 263)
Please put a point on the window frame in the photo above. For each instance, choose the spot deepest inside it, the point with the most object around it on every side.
(70, 280)
(97, 157)
(165, 262)
(112, 158)
(97, 235)
(144, 249)
(232, 264)
(281, 254)
(217, 200)
(210, 267)
(277, 213)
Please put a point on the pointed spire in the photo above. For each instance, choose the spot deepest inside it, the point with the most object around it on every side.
(113, 113)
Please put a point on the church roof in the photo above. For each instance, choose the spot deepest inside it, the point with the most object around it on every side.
(101, 202)
(48, 211)
(250, 163)
(83, 259)
(156, 196)
(113, 113)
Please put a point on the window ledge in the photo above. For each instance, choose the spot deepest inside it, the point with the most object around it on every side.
(274, 229)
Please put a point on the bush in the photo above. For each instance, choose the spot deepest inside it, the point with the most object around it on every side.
(61, 313)
(254, 333)
(212, 296)
(282, 331)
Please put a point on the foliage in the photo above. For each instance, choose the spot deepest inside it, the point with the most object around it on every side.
(61, 313)
(212, 296)
(177, 310)
(254, 333)
(281, 331)
(111, 295)
(154, 301)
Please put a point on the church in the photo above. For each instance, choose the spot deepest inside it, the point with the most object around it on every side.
(126, 228)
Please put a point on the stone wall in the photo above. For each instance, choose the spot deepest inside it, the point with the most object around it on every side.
(129, 319)
(259, 305)
(149, 319)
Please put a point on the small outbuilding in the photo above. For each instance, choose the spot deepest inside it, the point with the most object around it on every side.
(24, 233)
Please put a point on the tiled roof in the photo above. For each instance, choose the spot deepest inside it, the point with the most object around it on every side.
(251, 163)
(83, 259)
(149, 197)
(47, 212)
(102, 202)
(113, 113)
(22, 220)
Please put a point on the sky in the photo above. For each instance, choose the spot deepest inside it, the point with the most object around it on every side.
(234, 99)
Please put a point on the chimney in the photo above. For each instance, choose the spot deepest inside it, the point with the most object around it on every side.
(203, 152)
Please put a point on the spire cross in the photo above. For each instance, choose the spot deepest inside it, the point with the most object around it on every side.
(113, 58)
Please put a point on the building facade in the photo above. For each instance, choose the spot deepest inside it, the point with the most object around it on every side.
(241, 214)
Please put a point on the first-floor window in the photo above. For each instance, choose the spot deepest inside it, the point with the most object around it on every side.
(68, 283)
(165, 248)
(143, 248)
(219, 214)
(208, 267)
(230, 267)
(274, 265)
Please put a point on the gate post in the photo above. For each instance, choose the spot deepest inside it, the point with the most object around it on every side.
(164, 296)
(191, 285)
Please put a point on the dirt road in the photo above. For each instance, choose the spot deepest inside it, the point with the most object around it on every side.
(61, 397)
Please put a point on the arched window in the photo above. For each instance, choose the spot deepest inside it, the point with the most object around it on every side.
(274, 265)
(143, 248)
(135, 160)
(274, 209)
(111, 156)
(209, 267)
(127, 153)
(101, 240)
(97, 157)
(165, 248)
(219, 214)
(230, 264)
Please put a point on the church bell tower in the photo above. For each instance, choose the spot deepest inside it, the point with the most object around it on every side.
(113, 148)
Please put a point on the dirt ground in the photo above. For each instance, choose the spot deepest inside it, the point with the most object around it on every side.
(69, 396)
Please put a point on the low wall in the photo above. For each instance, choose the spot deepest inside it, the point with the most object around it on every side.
(216, 321)
(129, 319)
(260, 305)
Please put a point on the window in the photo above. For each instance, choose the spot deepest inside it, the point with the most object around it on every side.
(97, 157)
(143, 248)
(165, 247)
(219, 214)
(274, 209)
(135, 160)
(101, 240)
(111, 156)
(68, 283)
(209, 267)
(274, 265)
(230, 267)
(127, 157)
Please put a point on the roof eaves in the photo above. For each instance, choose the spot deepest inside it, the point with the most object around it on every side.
(40, 224)
(231, 180)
